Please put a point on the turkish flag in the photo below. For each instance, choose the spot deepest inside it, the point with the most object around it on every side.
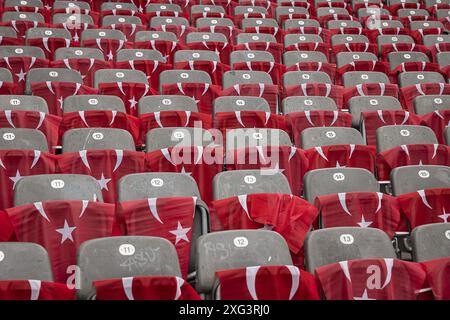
(15, 164)
(86, 67)
(167, 48)
(223, 49)
(426, 206)
(438, 273)
(371, 89)
(290, 161)
(438, 121)
(19, 67)
(372, 279)
(106, 166)
(311, 46)
(215, 69)
(60, 227)
(49, 45)
(263, 90)
(21, 26)
(400, 47)
(275, 70)
(299, 121)
(316, 89)
(109, 47)
(409, 93)
(202, 163)
(267, 283)
(413, 154)
(363, 209)
(46, 123)
(289, 215)
(129, 29)
(145, 288)
(170, 218)
(276, 49)
(358, 65)
(34, 290)
(328, 68)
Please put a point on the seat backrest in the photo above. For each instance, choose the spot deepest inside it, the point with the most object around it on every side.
(9, 16)
(324, 11)
(344, 58)
(113, 20)
(396, 39)
(359, 104)
(328, 136)
(119, 75)
(447, 135)
(289, 10)
(201, 8)
(432, 39)
(249, 10)
(38, 33)
(22, 139)
(412, 13)
(71, 4)
(164, 7)
(156, 22)
(72, 18)
(140, 186)
(348, 38)
(206, 37)
(291, 58)
(239, 182)
(292, 39)
(292, 78)
(92, 102)
(94, 34)
(255, 37)
(252, 137)
(75, 140)
(231, 78)
(338, 24)
(331, 245)
(117, 257)
(354, 78)
(5, 75)
(24, 261)
(149, 104)
(417, 77)
(160, 138)
(389, 137)
(335, 180)
(22, 3)
(21, 51)
(23, 102)
(397, 58)
(299, 23)
(430, 103)
(195, 55)
(183, 76)
(431, 241)
(301, 104)
(240, 103)
(8, 32)
(51, 75)
(139, 54)
(413, 178)
(385, 24)
(258, 22)
(46, 187)
(237, 249)
(109, 6)
(79, 53)
(155, 36)
(250, 56)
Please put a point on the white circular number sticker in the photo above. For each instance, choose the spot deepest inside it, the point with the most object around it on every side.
(93, 102)
(240, 242)
(246, 76)
(447, 235)
(57, 184)
(249, 179)
(79, 52)
(2, 255)
(240, 102)
(438, 100)
(14, 102)
(18, 51)
(53, 74)
(178, 135)
(184, 75)
(120, 74)
(257, 135)
(338, 176)
(97, 136)
(9, 136)
(330, 134)
(346, 238)
(424, 174)
(157, 182)
(48, 32)
(405, 133)
(373, 102)
(166, 102)
(127, 249)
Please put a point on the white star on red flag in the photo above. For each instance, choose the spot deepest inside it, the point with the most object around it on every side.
(180, 233)
(66, 232)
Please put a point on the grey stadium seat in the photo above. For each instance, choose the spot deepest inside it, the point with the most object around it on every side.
(252, 137)
(151, 104)
(24, 261)
(257, 22)
(348, 38)
(396, 39)
(360, 104)
(354, 78)
(119, 75)
(430, 103)
(365, 12)
(205, 9)
(249, 10)
(22, 3)
(164, 21)
(442, 13)
(183, 76)
(114, 20)
(5, 75)
(250, 56)
(37, 33)
(328, 136)
(291, 58)
(334, 180)
(392, 136)
(423, 25)
(292, 39)
(263, 248)
(75, 140)
(324, 11)
(139, 54)
(240, 103)
(92, 102)
(412, 178)
(417, 77)
(72, 18)
(239, 182)
(344, 58)
(388, 24)
(78, 53)
(447, 135)
(21, 51)
(160, 138)
(431, 241)
(22, 139)
(19, 102)
(443, 59)
(299, 23)
(213, 22)
(333, 245)
(8, 32)
(104, 258)
(433, 39)
(71, 4)
(231, 78)
(109, 6)
(290, 11)
(338, 24)
(45, 187)
(193, 55)
(397, 58)
(51, 75)
(94, 34)
(22, 16)
(293, 78)
(143, 36)
(412, 13)
(301, 104)
(164, 7)
(255, 37)
(205, 37)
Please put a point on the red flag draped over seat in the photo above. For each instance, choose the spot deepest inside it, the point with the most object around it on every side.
(412, 154)
(86, 67)
(275, 70)
(360, 65)
(328, 68)
(263, 90)
(409, 93)
(106, 166)
(34, 290)
(49, 45)
(60, 227)
(299, 121)
(171, 218)
(109, 47)
(267, 283)
(343, 155)
(438, 273)
(363, 209)
(21, 26)
(371, 279)
(46, 123)
(317, 89)
(290, 161)
(215, 69)
(202, 163)
(15, 164)
(55, 93)
(128, 29)
(129, 92)
(289, 215)
(371, 89)
(223, 49)
(19, 67)
(437, 121)
(167, 48)
(426, 206)
(145, 288)
(276, 49)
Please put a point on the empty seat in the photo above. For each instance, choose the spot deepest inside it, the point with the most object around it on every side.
(92, 102)
(398, 58)
(412, 78)
(344, 58)
(110, 6)
(293, 78)
(301, 104)
(25, 103)
(22, 139)
(113, 20)
(328, 136)
(291, 58)
(46, 187)
(412, 13)
(195, 55)
(78, 53)
(389, 137)
(194, 37)
(422, 25)
(338, 24)
(433, 39)
(213, 22)
(159, 103)
(334, 180)
(354, 78)
(348, 38)
(430, 242)
(258, 23)
(119, 75)
(331, 245)
(250, 56)
(97, 139)
(253, 37)
(241, 103)
(72, 18)
(443, 59)
(357, 105)
(231, 78)
(22, 16)
(53, 75)
(70, 5)
(242, 138)
(412, 178)
(300, 23)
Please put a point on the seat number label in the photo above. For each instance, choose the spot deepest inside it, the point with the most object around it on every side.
(157, 182)
(127, 249)
(240, 242)
(57, 184)
(346, 238)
